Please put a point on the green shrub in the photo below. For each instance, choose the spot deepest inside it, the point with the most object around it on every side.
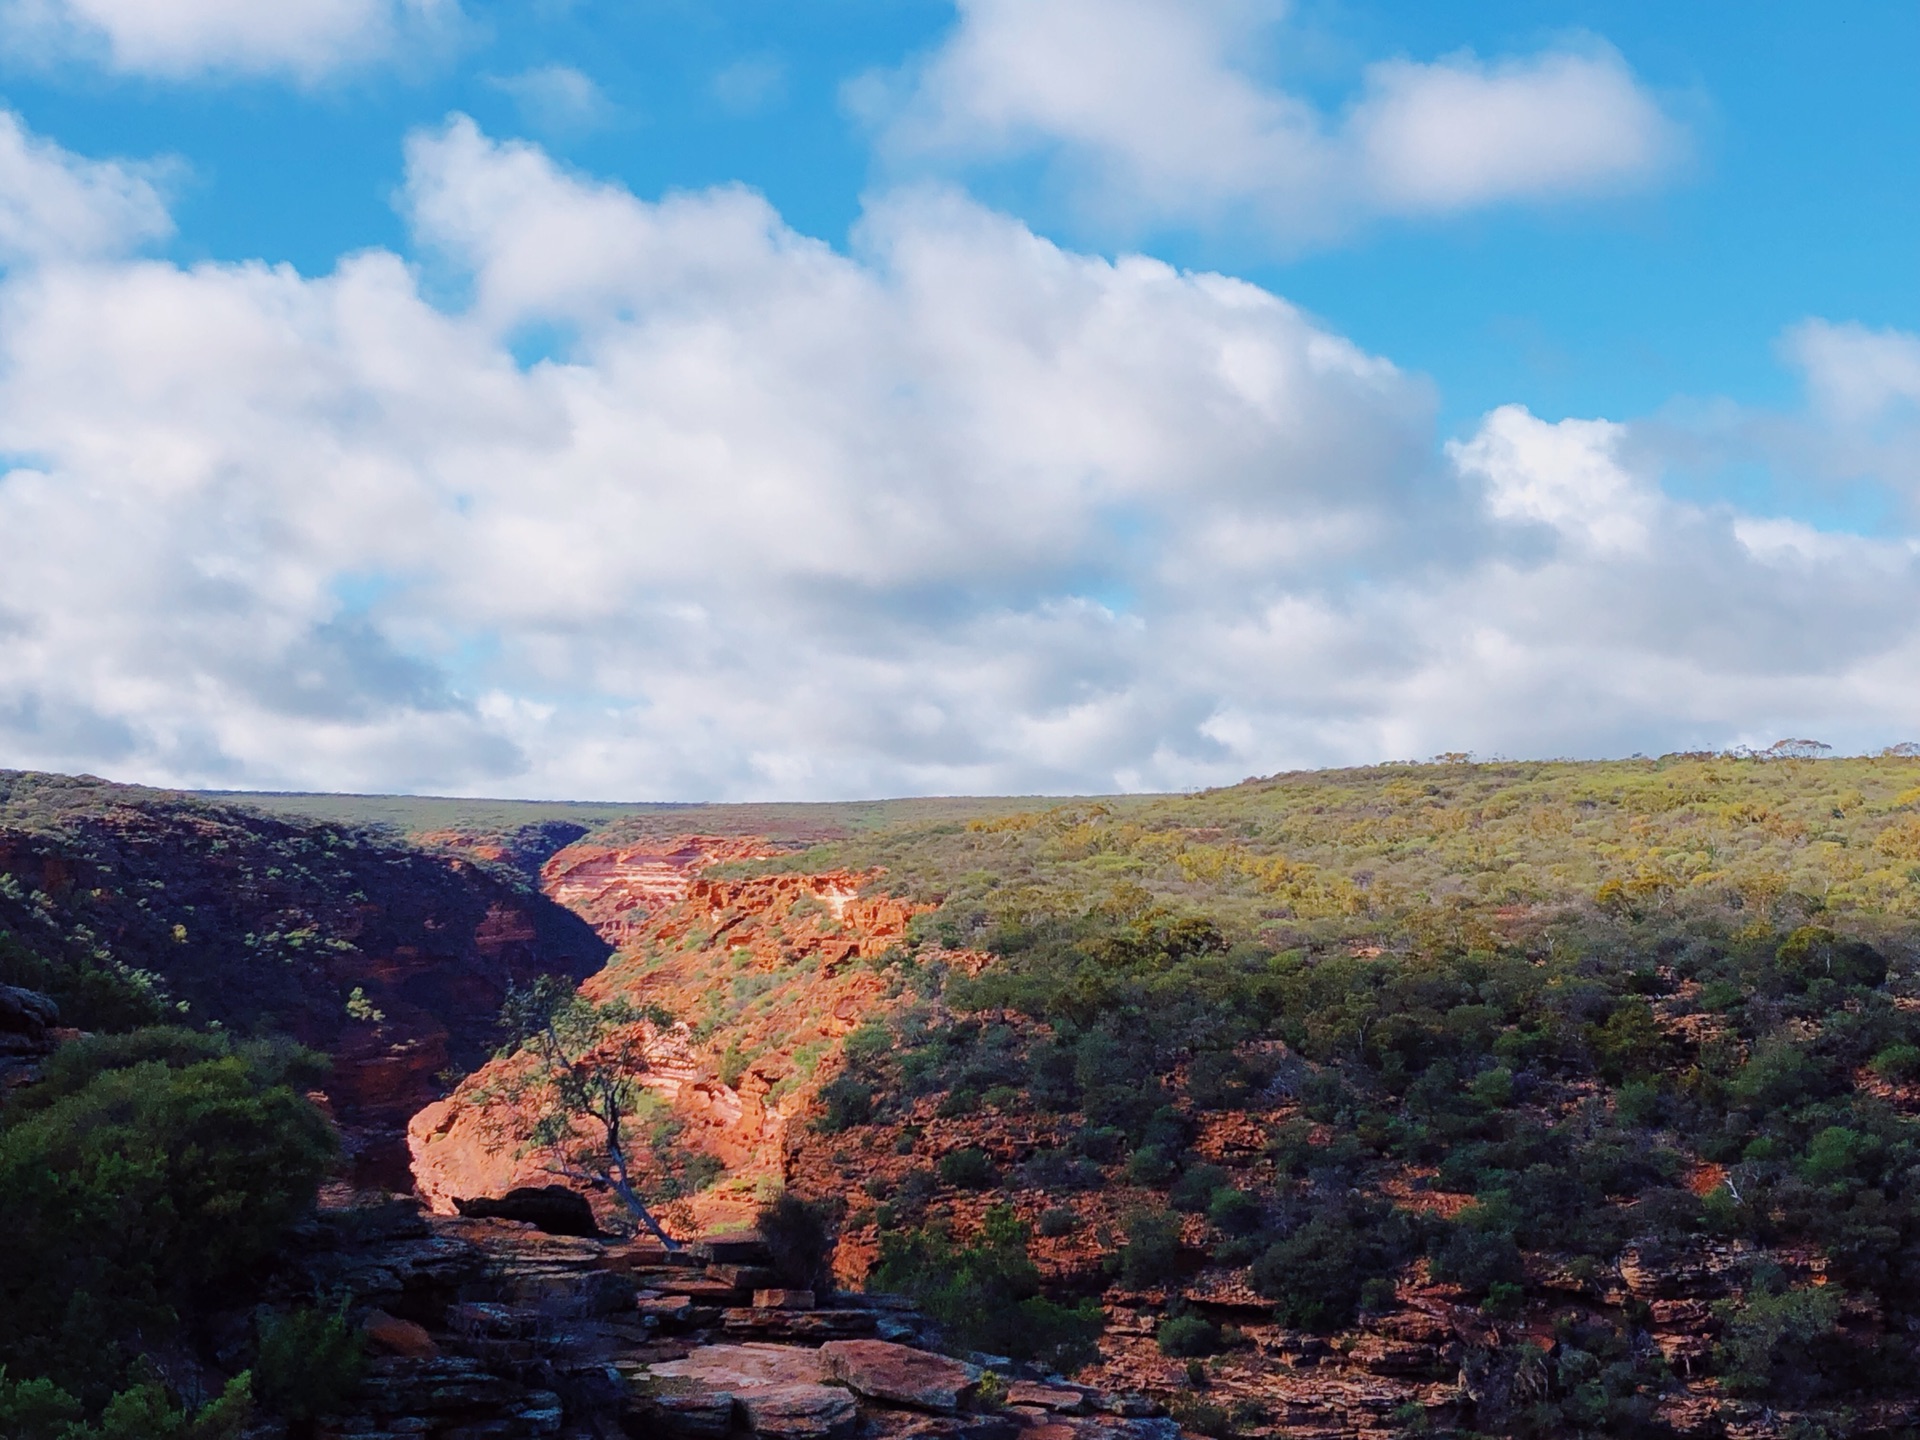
(962, 1100)
(1151, 1256)
(1058, 1221)
(986, 1295)
(148, 1170)
(41, 1410)
(871, 1040)
(310, 1361)
(1898, 1064)
(1316, 1274)
(1476, 1259)
(1184, 1336)
(969, 1169)
(1234, 1211)
(1150, 1165)
(802, 1236)
(1772, 1345)
(844, 1103)
(1193, 1191)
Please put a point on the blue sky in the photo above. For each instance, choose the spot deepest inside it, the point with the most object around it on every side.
(1691, 305)
(1799, 199)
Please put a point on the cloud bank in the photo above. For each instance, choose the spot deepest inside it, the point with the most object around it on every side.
(1148, 117)
(182, 39)
(958, 510)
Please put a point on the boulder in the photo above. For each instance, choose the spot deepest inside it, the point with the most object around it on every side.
(393, 1336)
(745, 1247)
(899, 1375)
(27, 1011)
(1061, 1399)
(799, 1412)
(27, 1019)
(552, 1208)
(783, 1299)
(694, 1414)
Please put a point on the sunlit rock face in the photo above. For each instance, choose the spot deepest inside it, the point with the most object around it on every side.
(762, 979)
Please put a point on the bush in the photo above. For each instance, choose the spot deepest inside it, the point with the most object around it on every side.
(963, 1100)
(802, 1236)
(1234, 1212)
(1151, 1255)
(148, 1170)
(1476, 1260)
(986, 1295)
(309, 1362)
(1193, 1191)
(1316, 1274)
(969, 1169)
(1772, 1345)
(41, 1410)
(1150, 1165)
(1184, 1336)
(1058, 1221)
(1056, 1170)
(1898, 1064)
(845, 1103)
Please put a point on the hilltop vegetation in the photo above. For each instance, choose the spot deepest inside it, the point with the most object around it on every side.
(1322, 854)
(1530, 1039)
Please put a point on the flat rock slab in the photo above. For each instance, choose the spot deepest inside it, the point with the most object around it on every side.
(696, 1414)
(812, 1325)
(739, 1367)
(1062, 1399)
(799, 1412)
(901, 1375)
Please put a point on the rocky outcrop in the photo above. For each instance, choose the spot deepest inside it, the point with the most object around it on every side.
(617, 889)
(27, 1021)
(900, 1375)
(552, 1208)
(766, 970)
(487, 1328)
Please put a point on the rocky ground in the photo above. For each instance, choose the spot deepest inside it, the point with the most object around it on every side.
(490, 1328)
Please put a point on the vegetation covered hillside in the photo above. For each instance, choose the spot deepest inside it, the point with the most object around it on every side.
(1541, 1099)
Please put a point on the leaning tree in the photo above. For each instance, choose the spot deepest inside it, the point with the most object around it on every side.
(580, 1080)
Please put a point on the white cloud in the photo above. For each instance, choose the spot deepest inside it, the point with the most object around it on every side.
(961, 510)
(557, 99)
(1567, 476)
(184, 38)
(1853, 373)
(1150, 116)
(1458, 133)
(55, 203)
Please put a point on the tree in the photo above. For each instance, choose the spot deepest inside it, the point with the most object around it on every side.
(582, 1082)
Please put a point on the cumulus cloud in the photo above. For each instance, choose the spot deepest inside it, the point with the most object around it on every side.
(184, 38)
(1148, 114)
(54, 203)
(957, 510)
